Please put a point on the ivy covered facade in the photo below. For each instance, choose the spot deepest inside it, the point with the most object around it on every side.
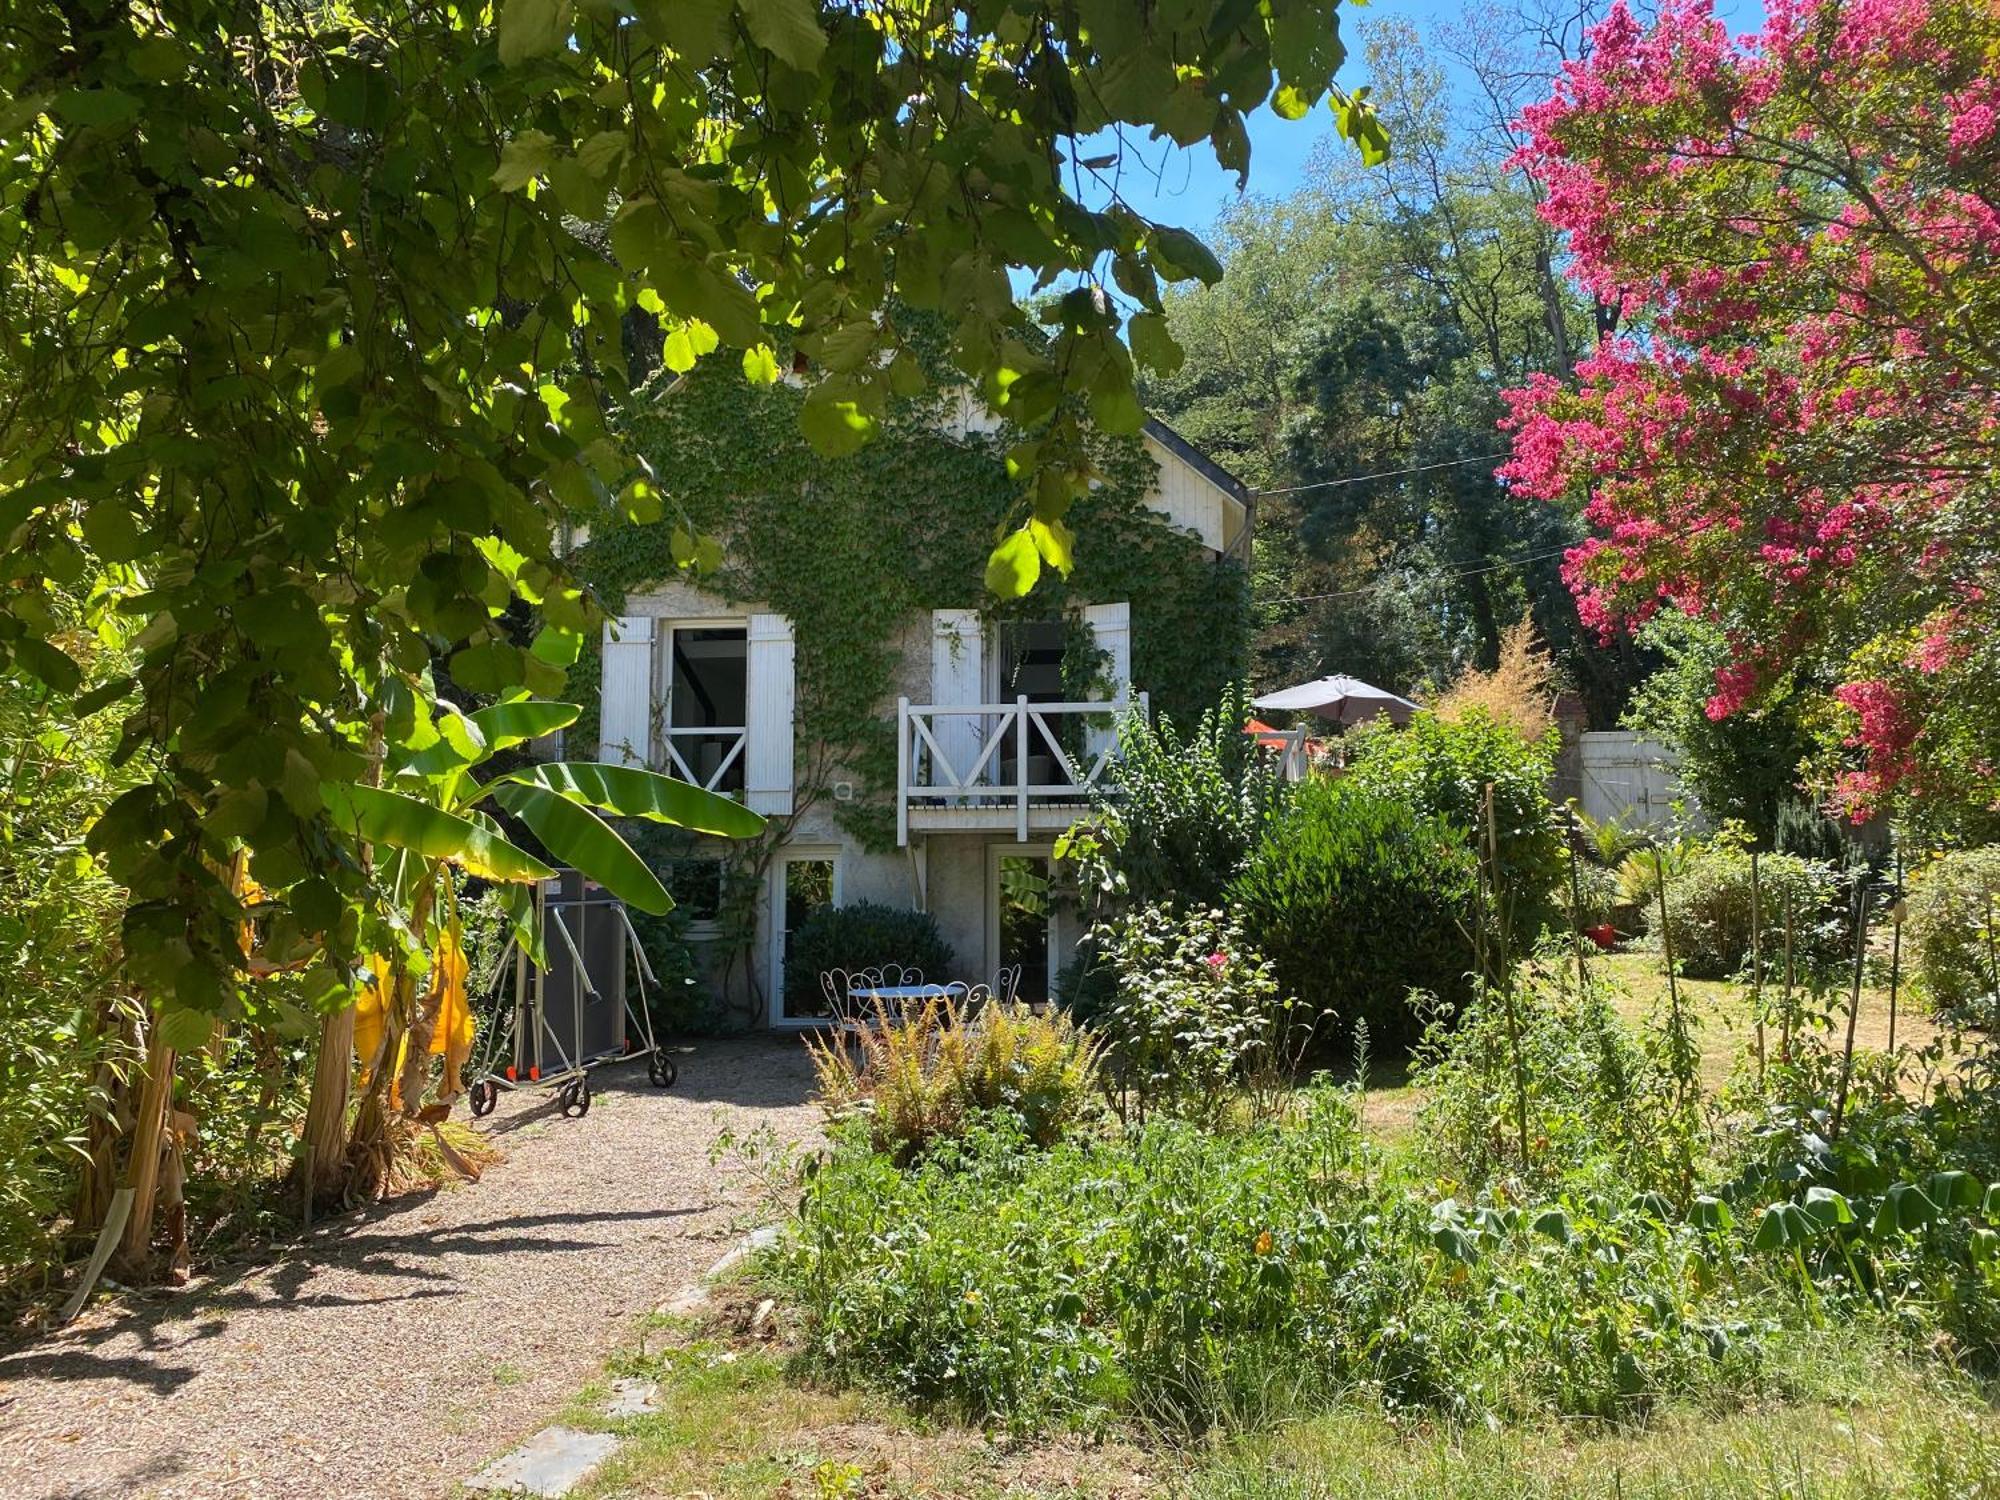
(815, 636)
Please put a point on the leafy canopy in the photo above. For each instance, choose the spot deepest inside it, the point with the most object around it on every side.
(312, 317)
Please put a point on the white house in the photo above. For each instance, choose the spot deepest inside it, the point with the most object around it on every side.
(987, 777)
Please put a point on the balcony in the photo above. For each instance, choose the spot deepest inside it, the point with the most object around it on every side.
(1031, 766)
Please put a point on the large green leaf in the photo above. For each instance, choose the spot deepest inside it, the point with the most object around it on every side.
(577, 836)
(531, 28)
(789, 28)
(628, 792)
(1014, 565)
(509, 724)
(403, 822)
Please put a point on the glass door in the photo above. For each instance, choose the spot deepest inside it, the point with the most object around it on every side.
(802, 885)
(1022, 929)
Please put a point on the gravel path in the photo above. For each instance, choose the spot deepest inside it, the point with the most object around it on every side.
(394, 1354)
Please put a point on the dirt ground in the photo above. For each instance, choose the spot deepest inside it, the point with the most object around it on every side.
(393, 1353)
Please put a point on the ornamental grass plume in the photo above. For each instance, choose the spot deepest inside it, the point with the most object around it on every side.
(1519, 692)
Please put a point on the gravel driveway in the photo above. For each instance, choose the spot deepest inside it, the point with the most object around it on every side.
(393, 1354)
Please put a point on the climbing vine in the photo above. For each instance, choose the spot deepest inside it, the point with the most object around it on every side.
(857, 551)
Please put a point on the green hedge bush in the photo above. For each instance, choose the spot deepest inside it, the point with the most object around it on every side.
(1708, 909)
(1951, 902)
(862, 935)
(1358, 899)
(1444, 768)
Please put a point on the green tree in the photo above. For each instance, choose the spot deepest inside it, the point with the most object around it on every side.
(1746, 766)
(313, 318)
(1377, 318)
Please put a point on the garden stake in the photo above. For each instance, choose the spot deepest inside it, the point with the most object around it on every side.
(1757, 963)
(1895, 952)
(1680, 1036)
(1507, 979)
(1575, 904)
(1992, 963)
(1853, 1007)
(1785, 1007)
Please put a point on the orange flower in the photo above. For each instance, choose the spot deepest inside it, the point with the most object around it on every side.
(1264, 1243)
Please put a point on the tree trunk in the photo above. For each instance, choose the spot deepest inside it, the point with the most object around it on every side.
(110, 1117)
(142, 1171)
(323, 1163)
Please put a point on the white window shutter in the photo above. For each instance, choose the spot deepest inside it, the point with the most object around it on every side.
(958, 675)
(767, 749)
(1111, 628)
(625, 699)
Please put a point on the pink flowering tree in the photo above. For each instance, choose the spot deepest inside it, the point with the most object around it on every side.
(1798, 436)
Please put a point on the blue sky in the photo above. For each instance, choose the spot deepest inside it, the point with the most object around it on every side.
(1192, 190)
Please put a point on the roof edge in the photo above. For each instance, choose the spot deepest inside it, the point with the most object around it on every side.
(1207, 467)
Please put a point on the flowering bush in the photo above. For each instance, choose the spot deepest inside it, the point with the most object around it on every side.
(1798, 442)
(1196, 1009)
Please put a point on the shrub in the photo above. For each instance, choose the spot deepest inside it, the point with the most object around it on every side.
(1597, 898)
(1954, 906)
(1189, 1279)
(861, 935)
(1639, 875)
(1359, 900)
(1188, 809)
(69, 1021)
(1195, 1007)
(926, 1076)
(1708, 908)
(1444, 769)
(681, 1002)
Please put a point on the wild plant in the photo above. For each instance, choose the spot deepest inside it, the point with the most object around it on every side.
(1198, 1011)
(920, 1076)
(1598, 1101)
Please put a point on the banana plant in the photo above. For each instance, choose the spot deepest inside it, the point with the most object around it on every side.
(430, 804)
(430, 816)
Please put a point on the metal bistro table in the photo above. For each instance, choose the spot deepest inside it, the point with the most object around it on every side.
(896, 999)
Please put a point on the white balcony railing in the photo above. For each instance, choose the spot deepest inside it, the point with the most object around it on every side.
(706, 755)
(997, 756)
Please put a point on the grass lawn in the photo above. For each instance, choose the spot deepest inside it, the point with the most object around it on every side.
(734, 1423)
(1726, 1032)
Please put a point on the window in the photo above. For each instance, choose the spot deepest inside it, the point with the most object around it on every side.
(707, 705)
(1028, 661)
(695, 883)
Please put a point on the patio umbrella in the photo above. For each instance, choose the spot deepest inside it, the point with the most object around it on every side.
(1339, 700)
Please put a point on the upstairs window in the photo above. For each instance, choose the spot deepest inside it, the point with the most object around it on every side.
(707, 705)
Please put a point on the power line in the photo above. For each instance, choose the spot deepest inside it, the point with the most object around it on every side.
(1328, 484)
(1461, 572)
